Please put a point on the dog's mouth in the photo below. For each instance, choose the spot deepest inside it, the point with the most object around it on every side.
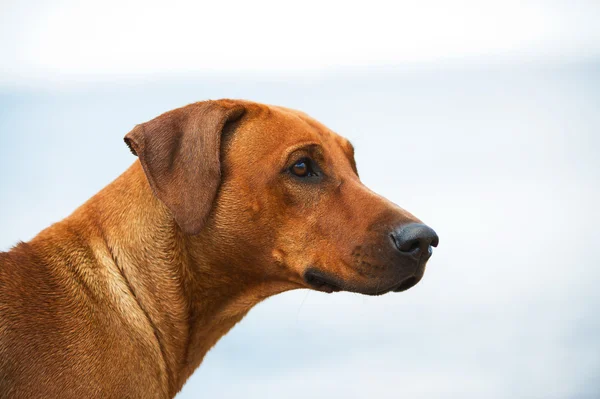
(406, 284)
(323, 282)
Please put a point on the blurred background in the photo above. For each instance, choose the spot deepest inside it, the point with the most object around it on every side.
(481, 118)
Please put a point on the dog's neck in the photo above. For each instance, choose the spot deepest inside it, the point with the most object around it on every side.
(189, 301)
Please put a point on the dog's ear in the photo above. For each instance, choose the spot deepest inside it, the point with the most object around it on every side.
(180, 153)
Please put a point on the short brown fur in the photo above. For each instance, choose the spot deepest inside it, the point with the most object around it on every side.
(124, 297)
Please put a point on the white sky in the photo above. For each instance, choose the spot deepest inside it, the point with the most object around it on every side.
(52, 40)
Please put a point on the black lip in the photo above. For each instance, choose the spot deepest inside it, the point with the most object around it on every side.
(321, 281)
(324, 282)
(406, 284)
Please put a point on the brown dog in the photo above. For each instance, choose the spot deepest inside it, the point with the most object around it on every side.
(231, 202)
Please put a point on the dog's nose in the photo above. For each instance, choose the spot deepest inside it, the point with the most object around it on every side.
(414, 237)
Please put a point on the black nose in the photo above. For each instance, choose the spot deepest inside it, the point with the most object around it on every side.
(415, 237)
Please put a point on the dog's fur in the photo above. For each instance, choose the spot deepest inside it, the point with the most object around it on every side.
(123, 298)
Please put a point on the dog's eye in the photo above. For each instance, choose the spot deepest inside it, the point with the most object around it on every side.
(303, 168)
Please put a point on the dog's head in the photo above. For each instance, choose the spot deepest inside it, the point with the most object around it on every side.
(273, 193)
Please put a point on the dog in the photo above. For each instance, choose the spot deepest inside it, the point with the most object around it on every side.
(228, 203)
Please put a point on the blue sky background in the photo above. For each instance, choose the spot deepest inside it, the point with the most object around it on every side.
(498, 150)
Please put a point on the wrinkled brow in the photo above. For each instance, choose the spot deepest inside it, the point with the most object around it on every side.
(349, 151)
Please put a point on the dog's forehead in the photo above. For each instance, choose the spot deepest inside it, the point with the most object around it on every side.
(280, 127)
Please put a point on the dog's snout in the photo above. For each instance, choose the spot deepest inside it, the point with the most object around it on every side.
(414, 238)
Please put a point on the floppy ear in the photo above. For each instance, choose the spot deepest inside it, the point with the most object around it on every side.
(179, 151)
